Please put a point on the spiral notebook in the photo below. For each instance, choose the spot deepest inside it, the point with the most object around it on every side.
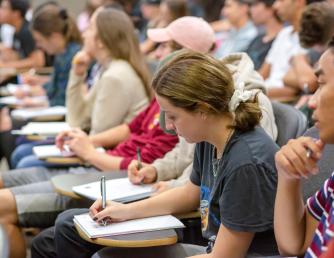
(93, 230)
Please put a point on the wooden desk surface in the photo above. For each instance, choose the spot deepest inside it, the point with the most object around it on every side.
(63, 183)
(145, 239)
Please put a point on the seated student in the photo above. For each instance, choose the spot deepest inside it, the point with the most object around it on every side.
(263, 15)
(233, 166)
(307, 229)
(30, 199)
(316, 30)
(176, 165)
(242, 31)
(186, 32)
(56, 33)
(170, 10)
(23, 53)
(121, 88)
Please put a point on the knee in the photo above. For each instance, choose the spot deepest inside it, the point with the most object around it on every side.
(28, 162)
(20, 152)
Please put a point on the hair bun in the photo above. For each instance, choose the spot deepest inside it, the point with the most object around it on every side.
(63, 14)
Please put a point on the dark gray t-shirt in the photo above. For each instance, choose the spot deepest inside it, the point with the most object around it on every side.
(241, 195)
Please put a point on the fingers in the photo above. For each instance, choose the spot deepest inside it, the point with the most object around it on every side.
(299, 157)
(61, 139)
(95, 208)
(135, 176)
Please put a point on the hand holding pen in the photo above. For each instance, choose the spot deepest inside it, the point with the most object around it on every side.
(146, 175)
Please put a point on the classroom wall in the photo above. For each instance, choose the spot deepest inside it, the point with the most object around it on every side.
(74, 6)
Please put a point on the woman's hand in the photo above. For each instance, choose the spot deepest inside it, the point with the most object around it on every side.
(114, 212)
(147, 174)
(299, 158)
(78, 142)
(80, 63)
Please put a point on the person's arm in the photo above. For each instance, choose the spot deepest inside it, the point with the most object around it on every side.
(35, 59)
(171, 166)
(178, 200)
(301, 74)
(281, 93)
(111, 137)
(294, 226)
(77, 101)
(229, 244)
(265, 70)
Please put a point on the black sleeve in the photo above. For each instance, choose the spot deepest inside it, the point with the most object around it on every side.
(195, 176)
(27, 42)
(247, 200)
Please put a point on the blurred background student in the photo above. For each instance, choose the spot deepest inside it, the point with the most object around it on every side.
(120, 89)
(56, 33)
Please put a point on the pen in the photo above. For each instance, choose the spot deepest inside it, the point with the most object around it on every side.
(104, 197)
(139, 159)
(103, 192)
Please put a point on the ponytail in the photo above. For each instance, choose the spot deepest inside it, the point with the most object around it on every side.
(51, 18)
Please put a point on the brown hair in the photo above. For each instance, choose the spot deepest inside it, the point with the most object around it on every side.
(177, 9)
(51, 18)
(316, 24)
(201, 83)
(117, 34)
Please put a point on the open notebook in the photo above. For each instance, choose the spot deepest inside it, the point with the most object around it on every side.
(13, 101)
(42, 129)
(31, 113)
(94, 230)
(120, 190)
(52, 151)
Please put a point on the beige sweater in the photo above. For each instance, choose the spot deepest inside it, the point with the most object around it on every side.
(116, 97)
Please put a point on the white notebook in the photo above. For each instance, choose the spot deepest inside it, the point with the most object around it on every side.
(52, 151)
(120, 190)
(93, 230)
(12, 100)
(43, 129)
(30, 113)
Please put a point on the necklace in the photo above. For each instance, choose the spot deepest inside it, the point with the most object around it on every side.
(217, 161)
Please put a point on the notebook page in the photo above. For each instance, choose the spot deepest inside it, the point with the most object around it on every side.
(93, 229)
(28, 113)
(48, 128)
(117, 189)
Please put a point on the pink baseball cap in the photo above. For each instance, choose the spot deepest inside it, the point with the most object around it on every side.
(190, 32)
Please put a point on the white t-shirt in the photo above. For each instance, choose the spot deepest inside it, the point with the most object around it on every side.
(285, 46)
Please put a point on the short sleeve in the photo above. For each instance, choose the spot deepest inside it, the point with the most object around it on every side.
(195, 176)
(247, 199)
(316, 203)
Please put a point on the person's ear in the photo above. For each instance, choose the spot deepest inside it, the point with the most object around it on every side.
(203, 109)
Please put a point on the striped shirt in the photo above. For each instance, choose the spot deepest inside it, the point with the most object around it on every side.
(321, 207)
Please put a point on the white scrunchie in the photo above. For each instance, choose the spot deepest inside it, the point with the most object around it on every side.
(239, 95)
